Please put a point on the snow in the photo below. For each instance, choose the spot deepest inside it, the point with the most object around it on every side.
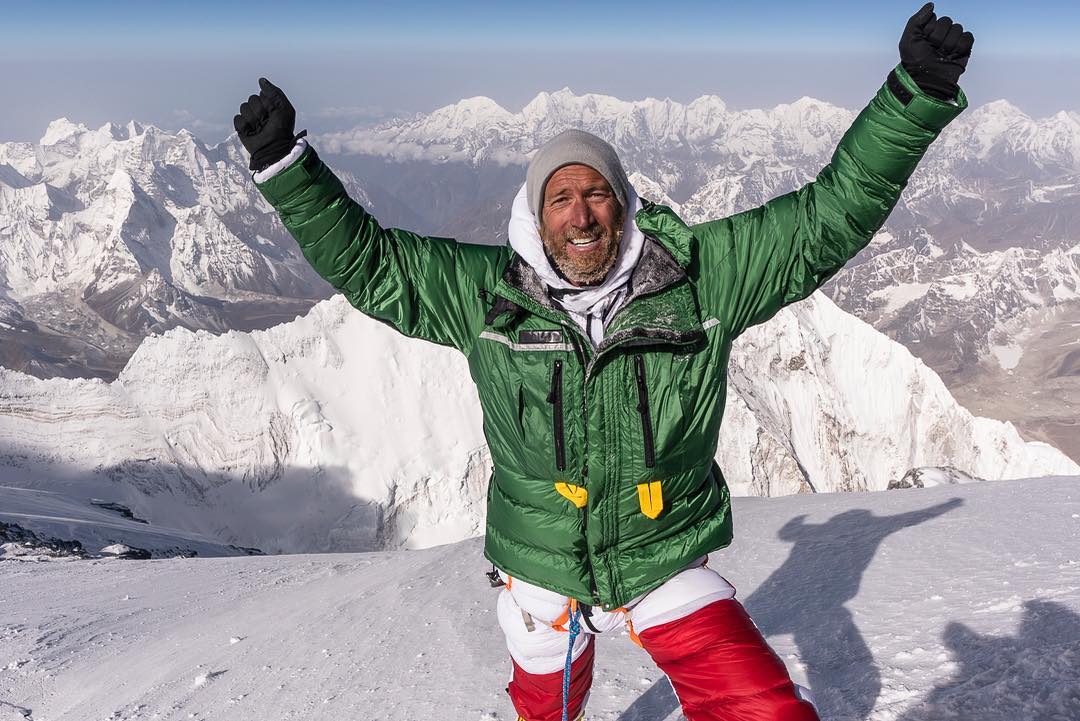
(959, 287)
(330, 432)
(914, 605)
(1007, 356)
(897, 296)
(825, 402)
(72, 516)
(91, 214)
(334, 433)
(478, 129)
(882, 238)
(1063, 293)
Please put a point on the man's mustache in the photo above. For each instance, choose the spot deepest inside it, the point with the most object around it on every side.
(593, 232)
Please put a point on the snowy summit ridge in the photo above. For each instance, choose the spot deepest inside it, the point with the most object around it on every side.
(479, 129)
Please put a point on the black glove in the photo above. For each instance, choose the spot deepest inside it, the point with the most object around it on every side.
(934, 52)
(265, 126)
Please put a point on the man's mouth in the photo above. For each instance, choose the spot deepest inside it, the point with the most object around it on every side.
(583, 243)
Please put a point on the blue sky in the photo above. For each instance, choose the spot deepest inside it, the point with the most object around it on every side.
(192, 63)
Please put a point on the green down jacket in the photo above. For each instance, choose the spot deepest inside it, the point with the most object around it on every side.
(604, 483)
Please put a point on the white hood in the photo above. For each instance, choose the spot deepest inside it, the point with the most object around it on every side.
(594, 301)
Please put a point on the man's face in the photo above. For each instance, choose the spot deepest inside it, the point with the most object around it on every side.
(581, 224)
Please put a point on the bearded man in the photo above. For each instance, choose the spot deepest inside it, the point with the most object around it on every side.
(598, 342)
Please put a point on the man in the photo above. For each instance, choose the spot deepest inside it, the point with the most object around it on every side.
(598, 343)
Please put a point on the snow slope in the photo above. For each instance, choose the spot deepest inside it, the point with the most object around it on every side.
(96, 524)
(309, 436)
(957, 602)
(854, 410)
(335, 433)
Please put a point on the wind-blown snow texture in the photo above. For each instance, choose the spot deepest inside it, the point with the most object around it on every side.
(333, 432)
(958, 602)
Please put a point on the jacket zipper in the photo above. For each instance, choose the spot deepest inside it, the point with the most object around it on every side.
(643, 409)
(555, 398)
(580, 353)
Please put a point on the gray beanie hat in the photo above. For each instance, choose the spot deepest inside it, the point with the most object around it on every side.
(572, 147)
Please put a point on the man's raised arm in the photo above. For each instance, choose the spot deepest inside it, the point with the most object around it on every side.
(756, 262)
(424, 287)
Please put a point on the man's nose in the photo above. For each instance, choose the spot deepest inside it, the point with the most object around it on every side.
(580, 214)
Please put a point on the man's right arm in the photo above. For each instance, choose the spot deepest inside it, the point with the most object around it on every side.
(424, 287)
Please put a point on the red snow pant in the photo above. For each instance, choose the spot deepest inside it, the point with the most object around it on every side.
(538, 697)
(720, 665)
(723, 669)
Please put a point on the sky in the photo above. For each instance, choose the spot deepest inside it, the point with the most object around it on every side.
(344, 63)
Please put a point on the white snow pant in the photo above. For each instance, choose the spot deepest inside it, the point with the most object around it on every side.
(527, 614)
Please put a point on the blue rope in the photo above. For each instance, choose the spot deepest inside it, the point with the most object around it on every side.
(575, 630)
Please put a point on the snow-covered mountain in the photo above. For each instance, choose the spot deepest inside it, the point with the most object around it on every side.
(172, 232)
(333, 432)
(994, 171)
(961, 304)
(478, 130)
(327, 433)
(110, 235)
(977, 261)
(852, 410)
(999, 326)
(919, 605)
(681, 147)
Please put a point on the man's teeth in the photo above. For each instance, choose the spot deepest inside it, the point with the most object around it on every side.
(582, 241)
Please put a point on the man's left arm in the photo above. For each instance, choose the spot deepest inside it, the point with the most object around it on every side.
(754, 263)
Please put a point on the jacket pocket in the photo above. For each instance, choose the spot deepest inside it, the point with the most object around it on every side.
(646, 414)
(555, 398)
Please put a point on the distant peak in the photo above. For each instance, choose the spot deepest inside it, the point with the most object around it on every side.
(1063, 117)
(1001, 107)
(479, 101)
(538, 105)
(476, 105)
(708, 101)
(113, 131)
(803, 105)
(61, 129)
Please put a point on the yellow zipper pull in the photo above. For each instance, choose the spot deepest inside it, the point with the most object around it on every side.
(651, 498)
(577, 495)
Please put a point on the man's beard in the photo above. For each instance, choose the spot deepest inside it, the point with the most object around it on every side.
(583, 272)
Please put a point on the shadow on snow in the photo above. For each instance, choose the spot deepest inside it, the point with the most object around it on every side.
(1032, 675)
(805, 597)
